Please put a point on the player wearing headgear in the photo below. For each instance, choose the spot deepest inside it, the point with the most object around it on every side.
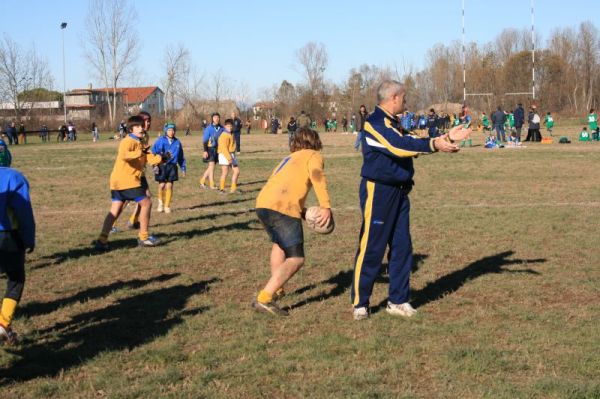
(170, 146)
(227, 159)
(280, 205)
(17, 234)
(126, 183)
(210, 141)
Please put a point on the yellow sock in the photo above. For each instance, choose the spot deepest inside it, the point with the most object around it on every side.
(202, 181)
(143, 235)
(133, 218)
(8, 310)
(160, 194)
(233, 187)
(264, 297)
(212, 184)
(222, 184)
(168, 196)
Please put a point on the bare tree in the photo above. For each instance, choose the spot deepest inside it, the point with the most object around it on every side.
(176, 60)
(111, 44)
(219, 87)
(20, 71)
(313, 59)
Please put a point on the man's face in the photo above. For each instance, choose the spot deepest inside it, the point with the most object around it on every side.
(233, 115)
(398, 103)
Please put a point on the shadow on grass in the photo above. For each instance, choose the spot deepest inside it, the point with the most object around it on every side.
(38, 308)
(210, 216)
(342, 282)
(247, 183)
(212, 229)
(125, 325)
(63, 256)
(452, 282)
(219, 203)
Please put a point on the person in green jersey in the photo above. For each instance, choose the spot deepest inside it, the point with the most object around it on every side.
(593, 121)
(549, 122)
(485, 121)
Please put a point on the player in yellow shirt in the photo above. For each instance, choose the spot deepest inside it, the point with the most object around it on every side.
(226, 151)
(126, 184)
(280, 207)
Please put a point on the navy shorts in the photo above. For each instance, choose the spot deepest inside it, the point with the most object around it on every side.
(284, 231)
(213, 156)
(144, 182)
(136, 194)
(167, 173)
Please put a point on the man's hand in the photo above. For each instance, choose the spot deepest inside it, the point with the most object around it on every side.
(441, 144)
(205, 155)
(324, 217)
(459, 133)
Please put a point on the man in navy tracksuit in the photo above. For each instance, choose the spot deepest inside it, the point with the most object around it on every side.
(17, 234)
(387, 174)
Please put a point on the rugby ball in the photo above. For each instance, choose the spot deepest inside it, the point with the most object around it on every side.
(311, 221)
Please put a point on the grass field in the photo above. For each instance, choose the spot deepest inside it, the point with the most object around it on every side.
(507, 284)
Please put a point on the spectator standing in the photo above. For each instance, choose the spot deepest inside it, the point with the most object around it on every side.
(498, 120)
(292, 127)
(95, 133)
(519, 114)
(122, 129)
(237, 131)
(22, 134)
(248, 126)
(360, 125)
(304, 120)
(11, 132)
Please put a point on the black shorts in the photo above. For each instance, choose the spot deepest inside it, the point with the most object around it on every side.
(284, 231)
(167, 173)
(136, 194)
(144, 182)
(213, 156)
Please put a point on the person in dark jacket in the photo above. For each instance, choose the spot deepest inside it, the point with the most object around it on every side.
(534, 120)
(292, 126)
(11, 132)
(386, 180)
(237, 131)
(498, 119)
(432, 124)
(519, 114)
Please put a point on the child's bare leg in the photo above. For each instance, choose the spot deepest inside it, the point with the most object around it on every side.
(234, 178)
(115, 210)
(145, 206)
(211, 174)
(282, 269)
(224, 172)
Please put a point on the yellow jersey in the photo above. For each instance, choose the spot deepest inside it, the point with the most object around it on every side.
(226, 145)
(130, 164)
(290, 182)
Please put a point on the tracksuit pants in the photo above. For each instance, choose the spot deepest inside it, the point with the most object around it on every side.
(238, 138)
(385, 223)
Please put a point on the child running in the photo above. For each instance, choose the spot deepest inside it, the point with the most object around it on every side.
(210, 140)
(126, 183)
(280, 206)
(168, 145)
(549, 122)
(226, 150)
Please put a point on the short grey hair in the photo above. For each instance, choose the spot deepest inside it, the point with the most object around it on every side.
(388, 88)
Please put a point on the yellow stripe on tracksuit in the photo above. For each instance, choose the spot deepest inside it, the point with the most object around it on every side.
(364, 239)
(394, 150)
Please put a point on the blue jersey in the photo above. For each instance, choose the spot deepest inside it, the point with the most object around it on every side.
(162, 146)
(387, 151)
(15, 206)
(210, 136)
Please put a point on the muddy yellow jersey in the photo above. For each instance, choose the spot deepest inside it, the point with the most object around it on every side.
(290, 182)
(130, 163)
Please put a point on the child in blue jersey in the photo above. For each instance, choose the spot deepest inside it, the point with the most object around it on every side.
(17, 234)
(167, 174)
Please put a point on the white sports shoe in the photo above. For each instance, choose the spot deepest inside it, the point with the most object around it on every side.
(360, 313)
(167, 209)
(160, 206)
(403, 309)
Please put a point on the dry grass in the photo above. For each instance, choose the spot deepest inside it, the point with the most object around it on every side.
(507, 284)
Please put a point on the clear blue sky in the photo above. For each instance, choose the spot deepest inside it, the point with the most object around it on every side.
(255, 41)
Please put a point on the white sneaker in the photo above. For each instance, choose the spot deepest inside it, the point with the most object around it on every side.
(160, 206)
(403, 309)
(360, 313)
(167, 209)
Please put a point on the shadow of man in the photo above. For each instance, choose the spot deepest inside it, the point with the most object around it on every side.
(126, 324)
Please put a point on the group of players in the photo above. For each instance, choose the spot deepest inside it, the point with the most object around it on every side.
(279, 206)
